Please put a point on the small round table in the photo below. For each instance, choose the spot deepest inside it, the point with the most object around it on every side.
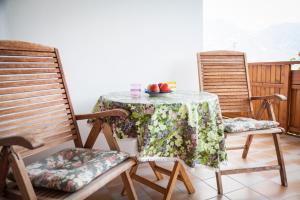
(184, 125)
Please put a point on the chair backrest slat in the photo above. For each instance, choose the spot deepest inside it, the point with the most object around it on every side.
(33, 95)
(225, 73)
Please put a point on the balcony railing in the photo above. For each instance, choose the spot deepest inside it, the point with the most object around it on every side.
(268, 78)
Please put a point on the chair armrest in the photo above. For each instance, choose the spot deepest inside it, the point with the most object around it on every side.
(103, 114)
(28, 142)
(279, 97)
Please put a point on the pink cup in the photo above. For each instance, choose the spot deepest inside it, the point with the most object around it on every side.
(135, 90)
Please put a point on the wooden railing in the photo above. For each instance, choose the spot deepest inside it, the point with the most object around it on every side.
(269, 78)
(294, 116)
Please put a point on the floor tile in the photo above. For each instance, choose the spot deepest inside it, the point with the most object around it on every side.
(275, 191)
(219, 197)
(248, 179)
(203, 190)
(245, 194)
(229, 184)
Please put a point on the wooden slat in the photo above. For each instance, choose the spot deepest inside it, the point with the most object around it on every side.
(229, 93)
(28, 77)
(56, 135)
(209, 87)
(28, 83)
(28, 65)
(29, 101)
(26, 53)
(222, 69)
(28, 71)
(30, 88)
(227, 73)
(210, 66)
(223, 64)
(31, 94)
(32, 113)
(32, 119)
(233, 90)
(32, 107)
(56, 130)
(24, 46)
(39, 127)
(268, 85)
(27, 59)
(228, 103)
(43, 132)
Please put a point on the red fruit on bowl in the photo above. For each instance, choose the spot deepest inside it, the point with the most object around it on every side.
(164, 87)
(149, 87)
(154, 88)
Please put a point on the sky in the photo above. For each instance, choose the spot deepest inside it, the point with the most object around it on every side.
(252, 15)
(267, 30)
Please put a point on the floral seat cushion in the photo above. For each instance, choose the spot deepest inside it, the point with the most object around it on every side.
(71, 169)
(242, 124)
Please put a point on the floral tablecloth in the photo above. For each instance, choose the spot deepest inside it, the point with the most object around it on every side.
(184, 125)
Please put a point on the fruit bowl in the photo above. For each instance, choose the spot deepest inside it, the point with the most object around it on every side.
(156, 90)
(157, 94)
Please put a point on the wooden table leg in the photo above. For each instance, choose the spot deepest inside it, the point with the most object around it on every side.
(158, 175)
(186, 180)
(131, 172)
(172, 181)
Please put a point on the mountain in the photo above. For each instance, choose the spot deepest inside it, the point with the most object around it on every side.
(275, 43)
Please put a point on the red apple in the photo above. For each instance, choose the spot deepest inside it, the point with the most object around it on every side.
(164, 87)
(149, 87)
(154, 88)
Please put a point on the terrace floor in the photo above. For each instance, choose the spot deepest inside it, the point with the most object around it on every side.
(254, 186)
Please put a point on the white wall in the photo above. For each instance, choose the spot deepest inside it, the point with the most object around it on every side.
(3, 27)
(107, 44)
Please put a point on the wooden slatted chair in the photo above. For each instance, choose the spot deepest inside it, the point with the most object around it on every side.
(225, 73)
(36, 114)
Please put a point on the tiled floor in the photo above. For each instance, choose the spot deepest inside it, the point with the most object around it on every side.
(252, 186)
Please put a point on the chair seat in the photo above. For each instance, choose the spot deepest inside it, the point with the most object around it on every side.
(242, 124)
(71, 169)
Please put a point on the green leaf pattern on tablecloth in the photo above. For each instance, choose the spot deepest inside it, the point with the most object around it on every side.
(191, 131)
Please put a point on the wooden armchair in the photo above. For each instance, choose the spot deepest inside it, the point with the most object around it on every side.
(36, 114)
(225, 73)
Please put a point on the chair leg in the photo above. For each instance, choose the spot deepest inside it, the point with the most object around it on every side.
(219, 182)
(128, 186)
(247, 146)
(21, 176)
(172, 181)
(131, 172)
(157, 174)
(280, 160)
(4, 166)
